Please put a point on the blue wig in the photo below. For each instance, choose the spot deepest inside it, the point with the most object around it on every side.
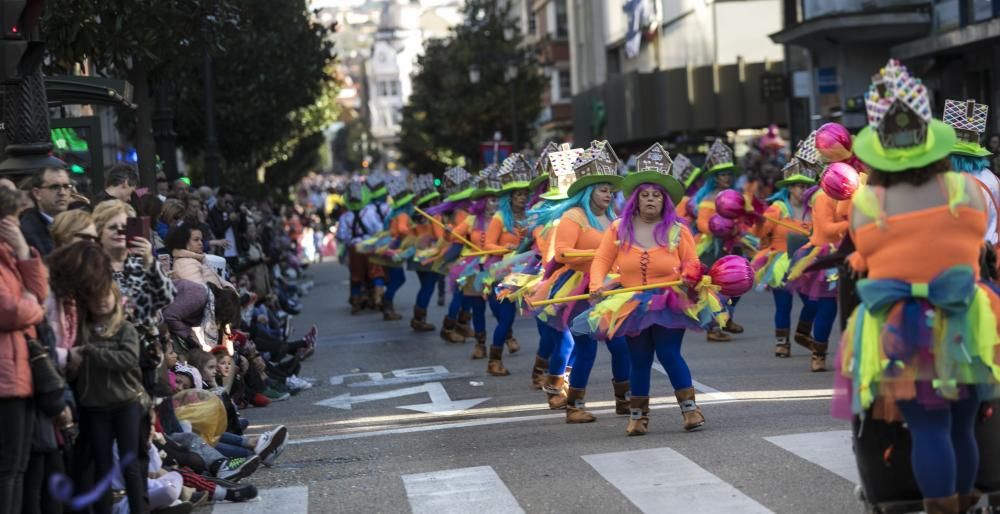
(782, 196)
(549, 213)
(506, 213)
(967, 164)
(706, 189)
(406, 209)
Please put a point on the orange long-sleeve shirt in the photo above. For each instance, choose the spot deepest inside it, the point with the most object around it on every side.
(467, 230)
(401, 225)
(574, 234)
(458, 219)
(639, 266)
(829, 223)
(429, 229)
(498, 239)
(706, 209)
(681, 209)
(775, 236)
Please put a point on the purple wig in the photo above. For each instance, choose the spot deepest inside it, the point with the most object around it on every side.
(444, 207)
(626, 234)
(477, 208)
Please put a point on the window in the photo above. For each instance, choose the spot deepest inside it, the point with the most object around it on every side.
(387, 88)
(562, 26)
(565, 86)
(531, 20)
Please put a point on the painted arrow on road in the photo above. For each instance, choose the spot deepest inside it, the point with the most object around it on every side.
(440, 403)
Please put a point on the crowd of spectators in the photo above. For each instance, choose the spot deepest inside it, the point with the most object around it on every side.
(135, 325)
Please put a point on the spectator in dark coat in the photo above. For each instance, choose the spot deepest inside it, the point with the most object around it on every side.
(51, 191)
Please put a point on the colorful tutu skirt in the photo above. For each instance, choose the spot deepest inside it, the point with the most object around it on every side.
(562, 283)
(813, 284)
(517, 276)
(471, 275)
(770, 267)
(628, 314)
(931, 343)
(418, 244)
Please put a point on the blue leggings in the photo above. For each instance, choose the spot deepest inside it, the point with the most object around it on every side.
(504, 311)
(397, 277)
(563, 351)
(547, 338)
(665, 343)
(826, 315)
(783, 309)
(478, 306)
(586, 353)
(428, 282)
(459, 303)
(945, 456)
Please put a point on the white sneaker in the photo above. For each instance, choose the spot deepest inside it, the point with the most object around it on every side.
(269, 444)
(294, 382)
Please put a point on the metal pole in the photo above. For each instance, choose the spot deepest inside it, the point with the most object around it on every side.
(213, 175)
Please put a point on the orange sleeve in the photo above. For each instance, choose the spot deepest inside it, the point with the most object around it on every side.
(843, 209)
(605, 257)
(493, 233)
(404, 225)
(828, 226)
(461, 230)
(436, 229)
(687, 250)
(705, 212)
(681, 209)
(765, 229)
(567, 234)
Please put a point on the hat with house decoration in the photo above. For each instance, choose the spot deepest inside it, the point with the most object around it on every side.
(399, 191)
(685, 170)
(654, 166)
(559, 167)
(538, 170)
(719, 158)
(901, 134)
(968, 118)
(805, 166)
(457, 184)
(596, 165)
(489, 183)
(376, 183)
(514, 173)
(355, 196)
(425, 189)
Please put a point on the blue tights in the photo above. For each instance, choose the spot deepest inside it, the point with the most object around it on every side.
(547, 337)
(563, 351)
(478, 306)
(665, 344)
(783, 309)
(586, 353)
(826, 315)
(504, 311)
(459, 303)
(397, 277)
(945, 456)
(428, 283)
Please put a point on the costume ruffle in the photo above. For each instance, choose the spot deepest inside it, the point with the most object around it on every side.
(515, 276)
(770, 267)
(561, 283)
(931, 342)
(813, 284)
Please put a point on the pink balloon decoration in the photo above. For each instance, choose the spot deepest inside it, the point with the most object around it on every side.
(730, 204)
(833, 142)
(721, 227)
(840, 181)
(733, 275)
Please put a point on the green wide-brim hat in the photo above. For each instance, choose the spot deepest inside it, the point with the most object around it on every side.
(537, 181)
(461, 195)
(673, 186)
(969, 149)
(514, 186)
(355, 205)
(405, 199)
(938, 145)
(428, 197)
(553, 194)
(480, 193)
(590, 180)
(380, 192)
(795, 179)
(719, 168)
(695, 175)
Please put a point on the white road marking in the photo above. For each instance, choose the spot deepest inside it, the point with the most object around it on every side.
(829, 450)
(718, 395)
(399, 376)
(459, 491)
(664, 481)
(339, 379)
(440, 402)
(287, 500)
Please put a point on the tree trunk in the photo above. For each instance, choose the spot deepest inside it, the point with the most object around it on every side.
(145, 146)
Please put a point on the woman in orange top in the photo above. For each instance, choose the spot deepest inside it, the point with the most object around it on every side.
(648, 245)
(428, 234)
(467, 271)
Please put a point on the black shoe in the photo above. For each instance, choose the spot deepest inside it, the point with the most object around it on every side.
(180, 508)
(238, 468)
(240, 493)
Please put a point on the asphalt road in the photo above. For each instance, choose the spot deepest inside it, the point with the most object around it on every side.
(404, 422)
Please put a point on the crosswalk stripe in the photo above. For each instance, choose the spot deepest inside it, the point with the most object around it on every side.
(459, 491)
(829, 450)
(663, 481)
(286, 500)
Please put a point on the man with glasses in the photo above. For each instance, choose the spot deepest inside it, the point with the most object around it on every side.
(51, 192)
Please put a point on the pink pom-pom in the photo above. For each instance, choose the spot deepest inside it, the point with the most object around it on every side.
(730, 204)
(840, 181)
(833, 142)
(733, 274)
(721, 227)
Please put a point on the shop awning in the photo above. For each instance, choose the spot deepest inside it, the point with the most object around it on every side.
(75, 90)
(828, 30)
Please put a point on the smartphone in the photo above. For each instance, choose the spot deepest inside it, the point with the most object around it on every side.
(137, 227)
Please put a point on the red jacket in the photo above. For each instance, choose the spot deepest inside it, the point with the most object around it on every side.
(18, 315)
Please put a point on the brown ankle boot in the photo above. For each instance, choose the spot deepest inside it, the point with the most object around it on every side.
(448, 329)
(377, 295)
(782, 348)
(818, 362)
(638, 419)
(512, 345)
(538, 372)
(495, 365)
(419, 322)
(389, 313)
(357, 304)
(717, 336)
(693, 420)
(555, 389)
(803, 335)
(966, 501)
(947, 505)
(576, 411)
(479, 352)
(462, 326)
(621, 397)
(733, 327)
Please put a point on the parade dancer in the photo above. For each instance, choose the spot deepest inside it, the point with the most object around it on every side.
(719, 174)
(351, 231)
(373, 216)
(460, 185)
(400, 226)
(583, 217)
(922, 346)
(648, 246)
(427, 234)
(787, 212)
